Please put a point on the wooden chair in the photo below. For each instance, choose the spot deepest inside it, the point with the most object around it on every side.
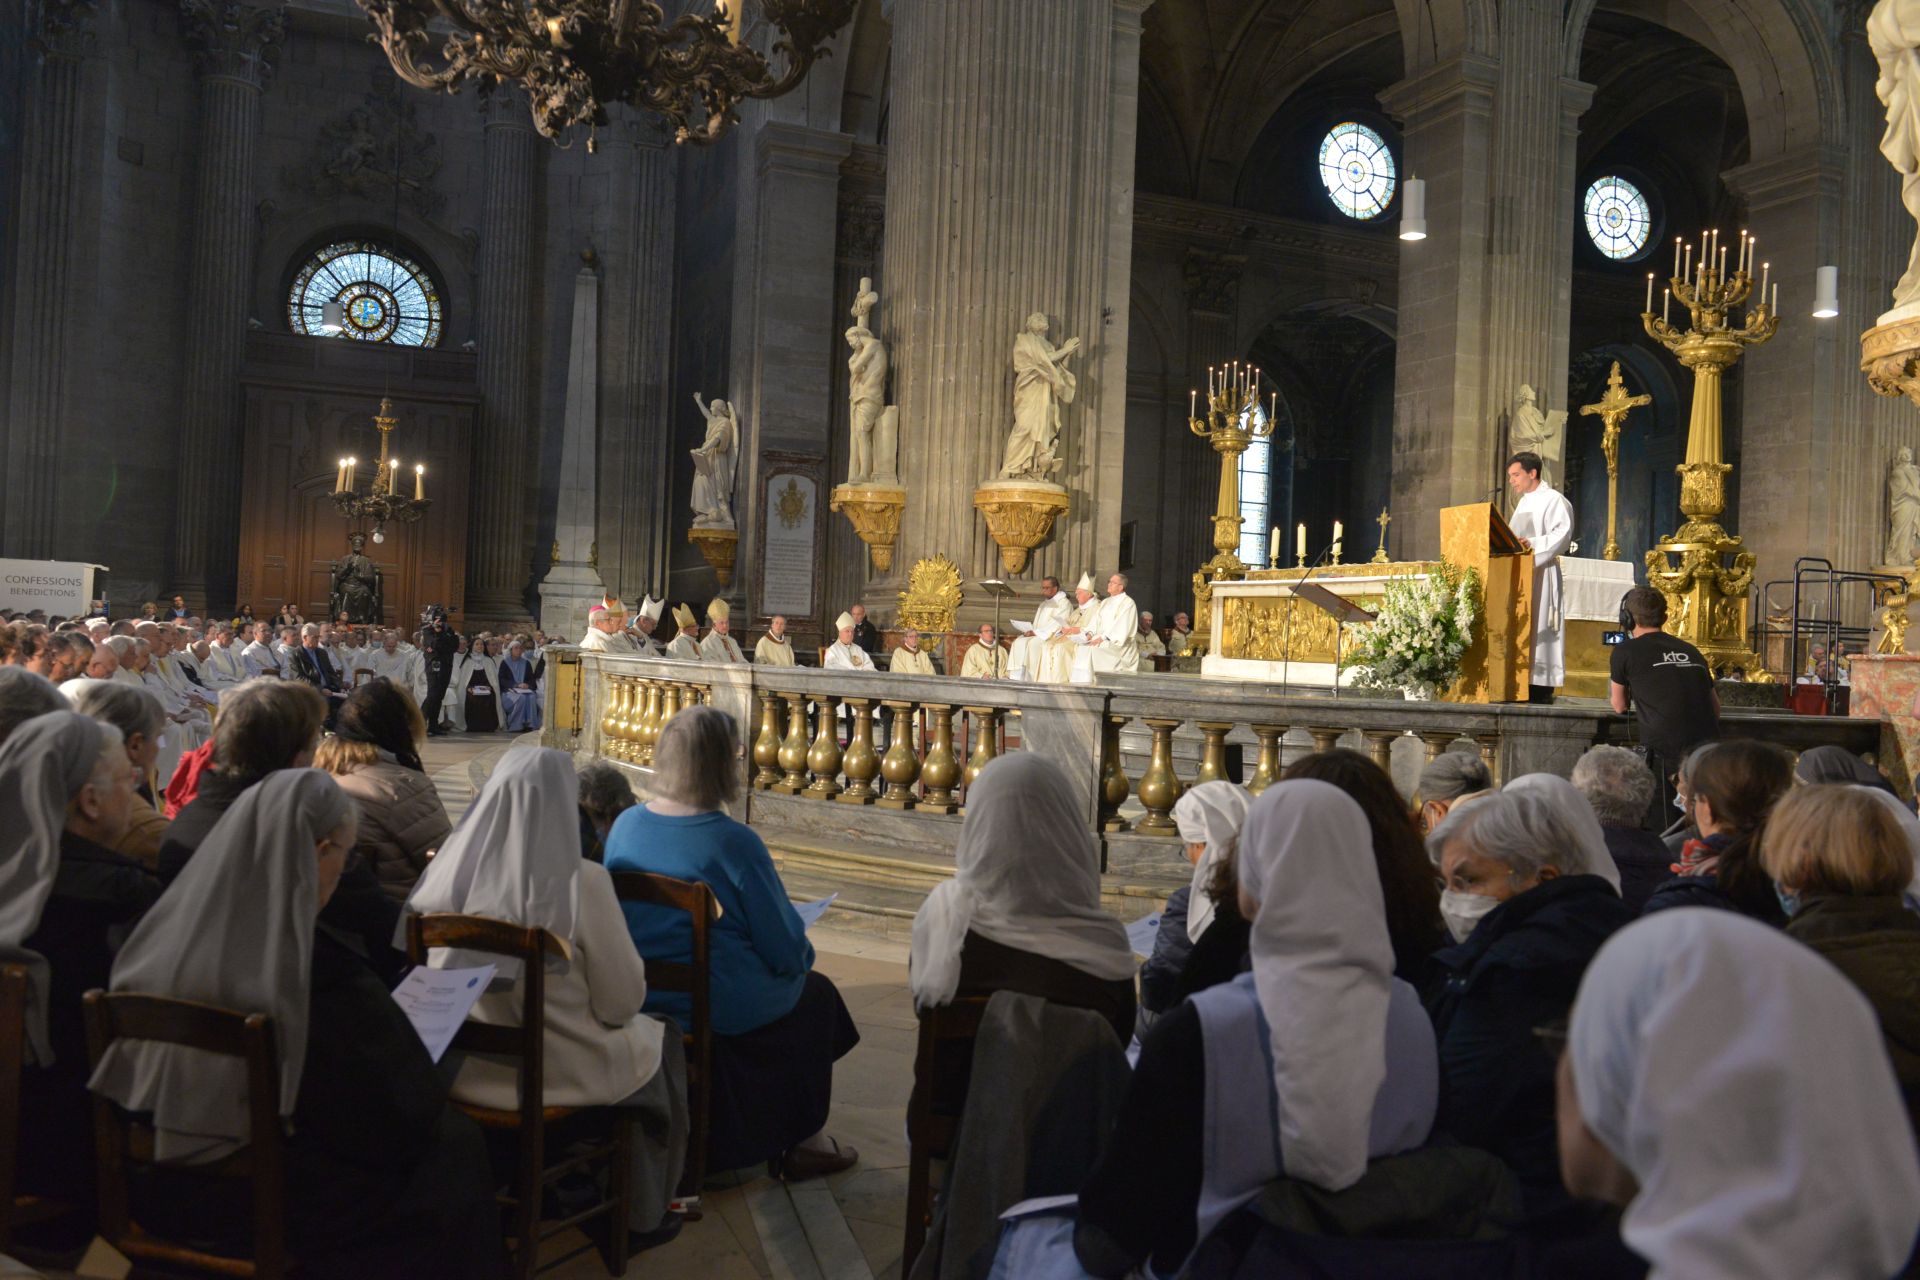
(15, 1210)
(946, 1038)
(121, 1139)
(702, 911)
(526, 1045)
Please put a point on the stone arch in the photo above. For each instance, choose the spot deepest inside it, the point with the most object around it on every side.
(286, 242)
(1433, 32)
(1779, 52)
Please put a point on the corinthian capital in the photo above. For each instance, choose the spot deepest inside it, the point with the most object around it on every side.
(1213, 280)
(61, 28)
(229, 38)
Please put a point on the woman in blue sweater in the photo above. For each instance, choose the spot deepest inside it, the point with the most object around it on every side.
(778, 1027)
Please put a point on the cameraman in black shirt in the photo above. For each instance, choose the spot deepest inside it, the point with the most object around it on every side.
(1670, 688)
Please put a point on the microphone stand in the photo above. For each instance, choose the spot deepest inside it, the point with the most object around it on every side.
(1286, 637)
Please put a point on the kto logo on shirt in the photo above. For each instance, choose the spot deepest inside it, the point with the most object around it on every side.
(1675, 659)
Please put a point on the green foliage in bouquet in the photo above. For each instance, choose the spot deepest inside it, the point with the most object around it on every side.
(1423, 629)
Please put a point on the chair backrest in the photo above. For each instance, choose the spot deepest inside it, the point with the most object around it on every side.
(947, 1034)
(693, 978)
(526, 1042)
(13, 1053)
(121, 1138)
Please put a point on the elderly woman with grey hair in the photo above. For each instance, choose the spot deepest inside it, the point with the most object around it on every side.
(24, 695)
(140, 719)
(1621, 788)
(1447, 777)
(778, 1026)
(1529, 894)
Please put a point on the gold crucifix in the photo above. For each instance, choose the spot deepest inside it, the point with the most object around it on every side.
(1383, 520)
(1612, 411)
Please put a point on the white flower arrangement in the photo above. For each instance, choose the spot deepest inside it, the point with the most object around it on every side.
(1422, 630)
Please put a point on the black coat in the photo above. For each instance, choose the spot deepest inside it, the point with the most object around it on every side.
(1518, 970)
(1644, 861)
(1160, 975)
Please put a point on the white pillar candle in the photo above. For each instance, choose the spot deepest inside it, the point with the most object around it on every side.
(1300, 544)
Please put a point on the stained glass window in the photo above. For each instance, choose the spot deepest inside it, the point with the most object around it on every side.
(1256, 495)
(1357, 169)
(1618, 219)
(384, 295)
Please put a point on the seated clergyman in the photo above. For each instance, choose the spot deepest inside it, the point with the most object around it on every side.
(986, 660)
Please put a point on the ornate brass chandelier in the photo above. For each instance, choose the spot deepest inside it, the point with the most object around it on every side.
(382, 501)
(574, 57)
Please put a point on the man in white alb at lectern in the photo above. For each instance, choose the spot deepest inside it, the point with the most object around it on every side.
(1543, 518)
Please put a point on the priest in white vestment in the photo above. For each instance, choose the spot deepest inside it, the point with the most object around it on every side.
(843, 654)
(986, 660)
(910, 659)
(1151, 645)
(1113, 637)
(644, 622)
(1057, 654)
(606, 628)
(224, 661)
(775, 649)
(720, 646)
(1544, 519)
(1024, 659)
(686, 642)
(387, 662)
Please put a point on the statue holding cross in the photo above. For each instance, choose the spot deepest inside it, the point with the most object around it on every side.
(1612, 412)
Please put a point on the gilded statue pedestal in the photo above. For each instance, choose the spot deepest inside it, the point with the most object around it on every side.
(1890, 357)
(874, 510)
(1020, 516)
(718, 546)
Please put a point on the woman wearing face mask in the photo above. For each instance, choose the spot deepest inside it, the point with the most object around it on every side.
(1734, 785)
(1840, 862)
(1529, 892)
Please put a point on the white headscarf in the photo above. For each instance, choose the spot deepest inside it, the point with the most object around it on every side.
(1322, 963)
(1026, 875)
(1744, 1083)
(1909, 827)
(1590, 846)
(514, 857)
(42, 764)
(235, 930)
(1210, 814)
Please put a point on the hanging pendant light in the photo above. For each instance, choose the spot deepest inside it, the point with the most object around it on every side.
(1413, 210)
(333, 319)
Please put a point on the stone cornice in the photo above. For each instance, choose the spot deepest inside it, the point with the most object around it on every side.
(1172, 220)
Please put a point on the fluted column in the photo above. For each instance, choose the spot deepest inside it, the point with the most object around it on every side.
(499, 565)
(1009, 190)
(1213, 307)
(635, 430)
(44, 250)
(236, 48)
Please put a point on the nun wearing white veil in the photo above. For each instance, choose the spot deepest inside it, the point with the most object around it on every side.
(1309, 1067)
(384, 1176)
(1730, 1089)
(66, 902)
(516, 857)
(1209, 817)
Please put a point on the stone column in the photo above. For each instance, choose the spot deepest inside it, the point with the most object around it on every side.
(573, 584)
(1485, 299)
(1009, 190)
(236, 48)
(499, 565)
(41, 315)
(1213, 307)
(635, 428)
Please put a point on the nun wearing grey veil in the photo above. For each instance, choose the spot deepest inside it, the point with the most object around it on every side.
(384, 1176)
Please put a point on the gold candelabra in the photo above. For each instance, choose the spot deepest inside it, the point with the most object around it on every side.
(1705, 572)
(1612, 409)
(382, 502)
(1232, 423)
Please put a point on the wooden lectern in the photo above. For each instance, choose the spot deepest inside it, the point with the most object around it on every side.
(1496, 667)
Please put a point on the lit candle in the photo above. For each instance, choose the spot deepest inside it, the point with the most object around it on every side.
(1688, 273)
(419, 481)
(1273, 406)
(1192, 399)
(1676, 256)
(339, 475)
(1776, 300)
(1649, 306)
(393, 477)
(1336, 539)
(1766, 271)
(1209, 383)
(1300, 544)
(1723, 262)
(353, 465)
(1666, 296)
(1273, 547)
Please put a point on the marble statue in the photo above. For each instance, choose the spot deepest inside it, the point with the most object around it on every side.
(1903, 509)
(713, 466)
(874, 457)
(1040, 387)
(1531, 431)
(1893, 32)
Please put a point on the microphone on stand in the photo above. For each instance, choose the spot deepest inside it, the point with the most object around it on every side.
(1286, 638)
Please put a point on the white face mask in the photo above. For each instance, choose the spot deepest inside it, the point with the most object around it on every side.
(1462, 911)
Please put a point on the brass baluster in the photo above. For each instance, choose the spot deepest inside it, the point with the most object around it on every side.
(1490, 753)
(1114, 786)
(611, 689)
(1437, 744)
(1267, 772)
(766, 744)
(1380, 747)
(900, 768)
(1213, 752)
(1160, 786)
(793, 750)
(669, 708)
(651, 718)
(862, 762)
(823, 757)
(940, 771)
(986, 742)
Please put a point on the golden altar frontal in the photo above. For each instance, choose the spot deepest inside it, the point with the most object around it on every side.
(1259, 630)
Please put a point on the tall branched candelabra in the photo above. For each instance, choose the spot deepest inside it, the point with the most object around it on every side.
(1233, 422)
(382, 502)
(1704, 571)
